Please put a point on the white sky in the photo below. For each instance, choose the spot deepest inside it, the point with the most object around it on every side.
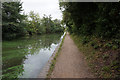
(48, 7)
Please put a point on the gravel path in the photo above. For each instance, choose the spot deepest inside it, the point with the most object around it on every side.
(71, 63)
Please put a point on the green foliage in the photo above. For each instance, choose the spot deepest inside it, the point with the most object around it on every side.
(108, 45)
(106, 68)
(37, 25)
(105, 56)
(85, 40)
(96, 46)
(51, 26)
(92, 43)
(33, 23)
(13, 72)
(114, 47)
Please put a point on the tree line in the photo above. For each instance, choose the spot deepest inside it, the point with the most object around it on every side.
(15, 23)
(97, 19)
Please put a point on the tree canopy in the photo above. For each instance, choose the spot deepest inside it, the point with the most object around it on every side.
(98, 19)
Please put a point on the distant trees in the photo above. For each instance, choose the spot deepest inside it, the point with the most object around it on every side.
(33, 22)
(42, 25)
(16, 24)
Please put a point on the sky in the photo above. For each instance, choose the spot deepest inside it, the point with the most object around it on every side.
(48, 7)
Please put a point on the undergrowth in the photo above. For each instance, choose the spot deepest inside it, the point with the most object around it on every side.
(102, 55)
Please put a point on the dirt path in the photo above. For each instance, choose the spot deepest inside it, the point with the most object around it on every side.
(70, 63)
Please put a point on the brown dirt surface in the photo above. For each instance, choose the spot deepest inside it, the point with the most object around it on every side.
(71, 62)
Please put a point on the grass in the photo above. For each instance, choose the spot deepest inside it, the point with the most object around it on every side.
(101, 57)
(53, 62)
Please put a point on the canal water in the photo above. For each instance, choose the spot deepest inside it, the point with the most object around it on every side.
(26, 57)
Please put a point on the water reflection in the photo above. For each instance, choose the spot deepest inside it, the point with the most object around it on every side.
(26, 57)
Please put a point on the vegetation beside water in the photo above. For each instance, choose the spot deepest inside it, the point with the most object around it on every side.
(16, 23)
(95, 28)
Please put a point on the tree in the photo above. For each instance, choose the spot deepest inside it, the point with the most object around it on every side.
(12, 20)
(34, 22)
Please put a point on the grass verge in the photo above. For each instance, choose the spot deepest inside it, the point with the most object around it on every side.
(53, 62)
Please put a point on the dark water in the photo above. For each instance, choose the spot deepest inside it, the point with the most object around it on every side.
(25, 57)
